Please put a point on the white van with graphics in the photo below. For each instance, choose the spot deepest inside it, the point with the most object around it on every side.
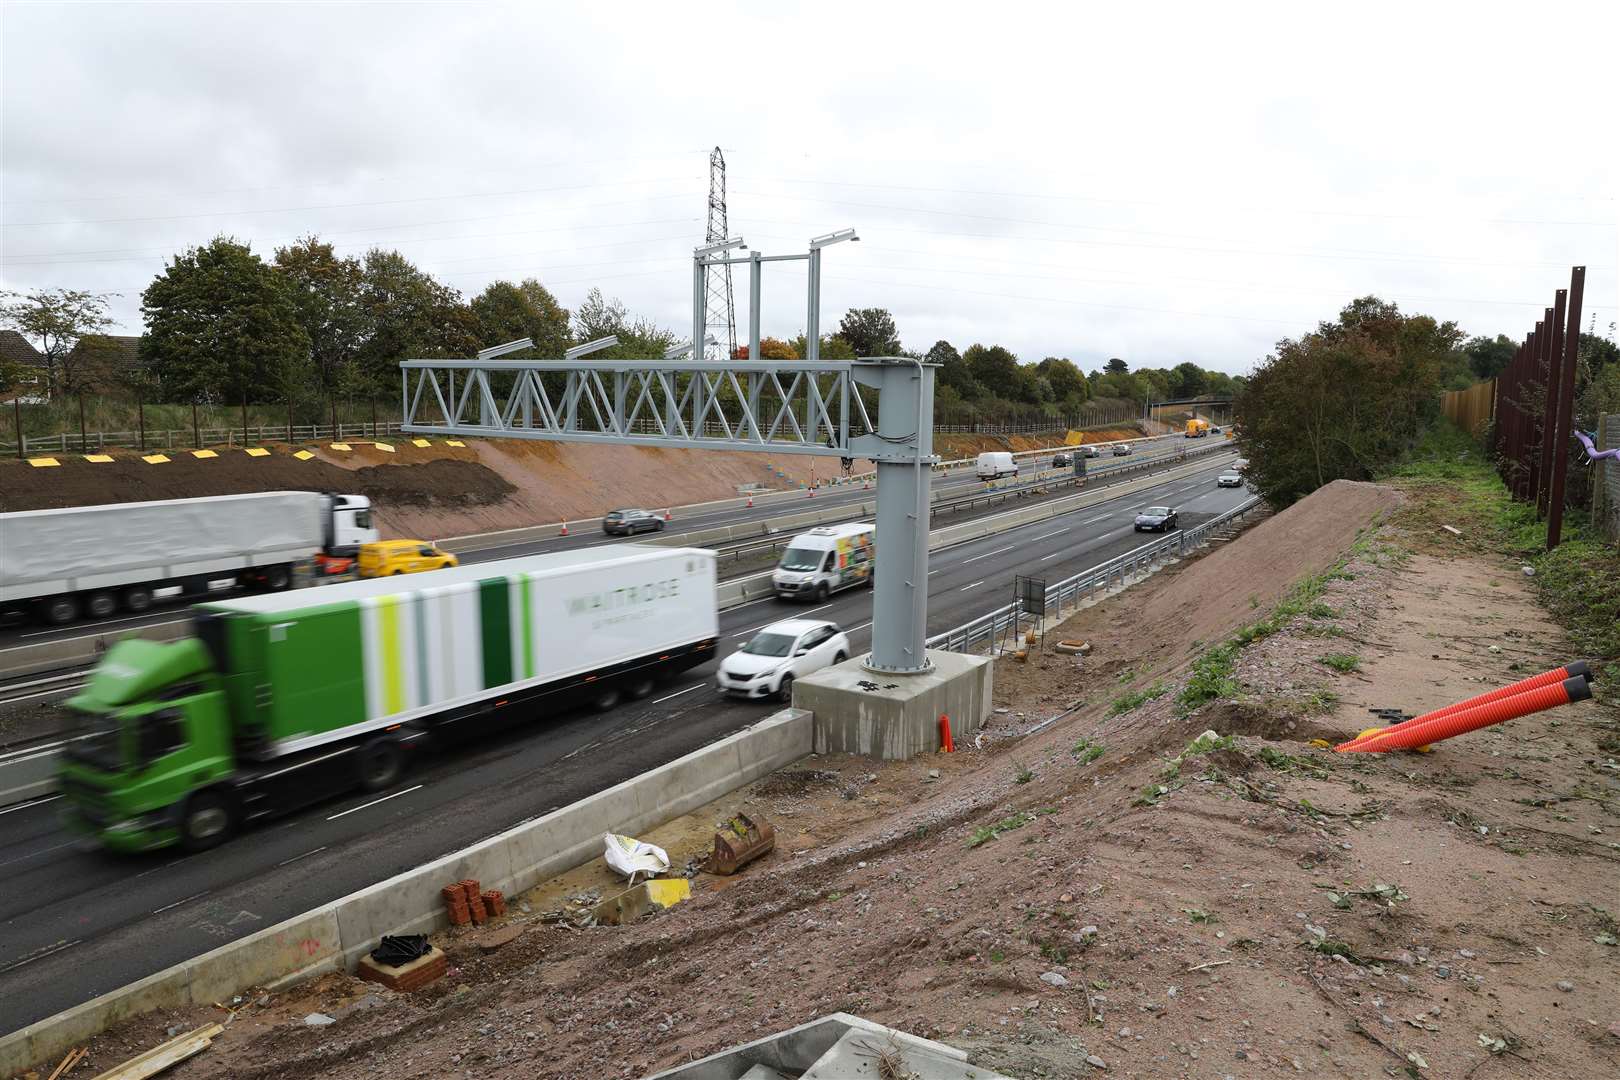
(826, 559)
(996, 464)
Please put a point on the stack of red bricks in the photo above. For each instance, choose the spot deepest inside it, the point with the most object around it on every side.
(412, 976)
(466, 903)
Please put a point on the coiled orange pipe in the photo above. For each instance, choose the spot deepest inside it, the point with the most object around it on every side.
(1577, 669)
(1458, 723)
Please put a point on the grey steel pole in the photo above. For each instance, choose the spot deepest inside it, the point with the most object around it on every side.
(754, 273)
(900, 598)
(812, 316)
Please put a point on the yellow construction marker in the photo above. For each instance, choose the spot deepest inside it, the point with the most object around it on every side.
(303, 455)
(98, 458)
(340, 446)
(155, 459)
(256, 451)
(43, 462)
(204, 454)
(420, 442)
(454, 442)
(384, 447)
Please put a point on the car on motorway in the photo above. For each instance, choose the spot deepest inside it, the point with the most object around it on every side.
(994, 464)
(385, 558)
(1089, 450)
(1157, 519)
(1061, 460)
(630, 522)
(1122, 449)
(1229, 478)
(779, 653)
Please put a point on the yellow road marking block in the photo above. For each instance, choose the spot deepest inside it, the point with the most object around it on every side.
(204, 453)
(256, 451)
(43, 462)
(420, 442)
(98, 458)
(155, 459)
(454, 442)
(340, 446)
(384, 447)
(303, 455)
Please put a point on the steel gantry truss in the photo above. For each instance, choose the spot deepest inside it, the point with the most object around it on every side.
(879, 408)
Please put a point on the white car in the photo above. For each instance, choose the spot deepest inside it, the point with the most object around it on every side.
(1229, 479)
(780, 653)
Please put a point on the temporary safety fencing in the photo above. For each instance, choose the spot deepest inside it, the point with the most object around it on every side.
(1463, 721)
(1069, 592)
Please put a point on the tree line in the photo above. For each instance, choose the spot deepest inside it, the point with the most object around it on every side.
(223, 325)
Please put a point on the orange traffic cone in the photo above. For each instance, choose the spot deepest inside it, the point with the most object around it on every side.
(564, 530)
(666, 514)
(810, 493)
(750, 500)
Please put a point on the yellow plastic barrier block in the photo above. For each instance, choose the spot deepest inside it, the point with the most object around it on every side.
(256, 451)
(454, 442)
(384, 447)
(420, 442)
(43, 462)
(204, 453)
(155, 459)
(303, 455)
(99, 459)
(340, 446)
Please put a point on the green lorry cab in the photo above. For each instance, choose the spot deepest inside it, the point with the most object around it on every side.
(286, 699)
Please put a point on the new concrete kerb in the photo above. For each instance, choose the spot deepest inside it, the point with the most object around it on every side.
(338, 934)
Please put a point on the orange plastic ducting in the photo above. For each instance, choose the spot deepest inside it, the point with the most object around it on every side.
(1576, 669)
(1412, 734)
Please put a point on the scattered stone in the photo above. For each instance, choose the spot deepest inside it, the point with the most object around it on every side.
(933, 774)
(317, 1019)
(1124, 1032)
(1053, 978)
(1405, 959)
(1088, 931)
(1096, 1062)
(1442, 971)
(1566, 986)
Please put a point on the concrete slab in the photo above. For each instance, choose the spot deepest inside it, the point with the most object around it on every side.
(892, 717)
(860, 1054)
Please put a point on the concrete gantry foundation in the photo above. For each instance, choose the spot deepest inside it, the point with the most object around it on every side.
(895, 716)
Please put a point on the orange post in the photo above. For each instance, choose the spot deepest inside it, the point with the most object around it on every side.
(945, 742)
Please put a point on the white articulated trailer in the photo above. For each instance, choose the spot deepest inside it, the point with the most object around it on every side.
(94, 560)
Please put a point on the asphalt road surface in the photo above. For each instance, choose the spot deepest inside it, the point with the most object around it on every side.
(76, 922)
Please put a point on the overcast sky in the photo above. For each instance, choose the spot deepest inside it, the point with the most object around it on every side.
(1166, 184)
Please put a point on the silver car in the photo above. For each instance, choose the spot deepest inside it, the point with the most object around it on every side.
(1229, 479)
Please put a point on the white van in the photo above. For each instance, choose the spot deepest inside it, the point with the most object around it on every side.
(996, 464)
(826, 559)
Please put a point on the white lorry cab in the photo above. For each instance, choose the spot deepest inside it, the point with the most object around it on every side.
(826, 559)
(996, 464)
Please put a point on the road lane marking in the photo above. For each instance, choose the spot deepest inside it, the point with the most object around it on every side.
(1054, 555)
(108, 622)
(177, 903)
(305, 855)
(42, 851)
(975, 585)
(43, 693)
(987, 554)
(373, 802)
(34, 802)
(678, 693)
(53, 950)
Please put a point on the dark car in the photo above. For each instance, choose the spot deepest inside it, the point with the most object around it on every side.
(1090, 451)
(1060, 461)
(628, 522)
(1157, 519)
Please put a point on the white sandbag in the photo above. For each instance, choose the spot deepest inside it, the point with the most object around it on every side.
(628, 856)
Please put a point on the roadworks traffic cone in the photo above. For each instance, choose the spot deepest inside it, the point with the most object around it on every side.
(564, 530)
(750, 500)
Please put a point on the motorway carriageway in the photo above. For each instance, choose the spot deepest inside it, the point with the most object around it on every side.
(76, 922)
(945, 485)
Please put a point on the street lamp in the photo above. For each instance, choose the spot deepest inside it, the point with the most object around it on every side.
(812, 319)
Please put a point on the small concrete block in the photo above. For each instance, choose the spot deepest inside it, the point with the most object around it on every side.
(893, 717)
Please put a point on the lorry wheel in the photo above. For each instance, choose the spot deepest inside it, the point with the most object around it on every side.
(277, 578)
(208, 820)
(784, 690)
(137, 598)
(100, 604)
(382, 763)
(60, 609)
(605, 699)
(640, 688)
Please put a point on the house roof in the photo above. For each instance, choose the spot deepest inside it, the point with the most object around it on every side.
(124, 349)
(15, 347)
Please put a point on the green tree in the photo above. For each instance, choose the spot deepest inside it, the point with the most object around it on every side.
(953, 372)
(1343, 401)
(639, 339)
(1116, 366)
(996, 370)
(870, 332)
(57, 319)
(327, 291)
(832, 348)
(1489, 356)
(507, 312)
(220, 324)
(1187, 380)
(407, 314)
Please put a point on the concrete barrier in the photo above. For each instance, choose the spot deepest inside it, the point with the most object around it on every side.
(339, 933)
(71, 652)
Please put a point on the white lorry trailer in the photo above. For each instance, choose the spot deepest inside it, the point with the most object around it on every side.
(94, 560)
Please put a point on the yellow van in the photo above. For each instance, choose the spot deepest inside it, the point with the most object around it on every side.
(382, 558)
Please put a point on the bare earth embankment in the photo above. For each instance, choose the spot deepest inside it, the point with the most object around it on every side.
(1114, 890)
